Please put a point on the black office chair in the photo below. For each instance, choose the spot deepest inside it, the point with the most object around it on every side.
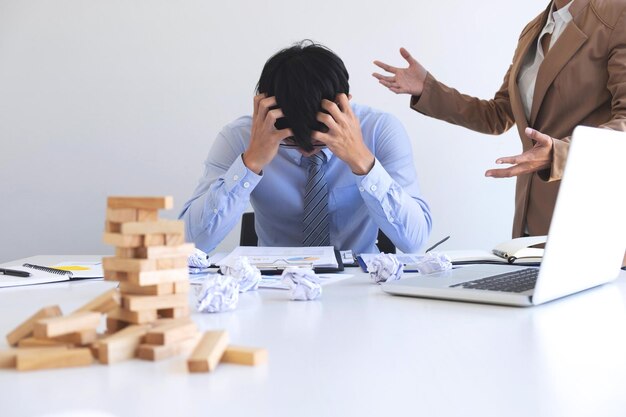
(248, 237)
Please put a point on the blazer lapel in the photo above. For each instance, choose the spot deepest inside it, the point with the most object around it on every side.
(565, 47)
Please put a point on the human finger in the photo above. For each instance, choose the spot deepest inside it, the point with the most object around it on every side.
(264, 106)
(343, 103)
(386, 67)
(255, 107)
(320, 136)
(407, 56)
(513, 171)
(327, 119)
(537, 136)
(272, 116)
(390, 78)
(388, 84)
(283, 134)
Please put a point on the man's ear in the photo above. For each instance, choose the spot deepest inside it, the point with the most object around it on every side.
(349, 96)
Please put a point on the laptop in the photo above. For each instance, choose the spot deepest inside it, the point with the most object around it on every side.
(585, 245)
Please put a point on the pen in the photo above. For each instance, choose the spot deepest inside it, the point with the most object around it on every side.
(437, 244)
(14, 272)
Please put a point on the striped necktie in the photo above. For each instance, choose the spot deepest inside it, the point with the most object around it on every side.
(315, 222)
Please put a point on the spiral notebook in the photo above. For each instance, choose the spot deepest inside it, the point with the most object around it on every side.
(41, 274)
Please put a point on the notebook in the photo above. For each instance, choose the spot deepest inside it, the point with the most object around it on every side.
(42, 274)
(585, 245)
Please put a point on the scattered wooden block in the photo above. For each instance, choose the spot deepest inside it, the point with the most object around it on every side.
(124, 241)
(174, 313)
(149, 203)
(135, 317)
(208, 352)
(8, 357)
(28, 360)
(102, 303)
(114, 325)
(244, 355)
(121, 345)
(26, 328)
(121, 215)
(155, 227)
(159, 352)
(169, 333)
(154, 302)
(58, 326)
(33, 342)
(81, 338)
(158, 289)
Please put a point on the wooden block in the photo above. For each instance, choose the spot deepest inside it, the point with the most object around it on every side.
(8, 357)
(121, 215)
(181, 287)
(26, 328)
(121, 345)
(166, 334)
(111, 263)
(171, 263)
(81, 338)
(159, 352)
(154, 302)
(127, 252)
(144, 215)
(32, 342)
(158, 227)
(157, 277)
(208, 352)
(135, 317)
(149, 203)
(58, 326)
(153, 239)
(114, 325)
(174, 313)
(28, 360)
(103, 303)
(153, 252)
(112, 227)
(158, 289)
(115, 276)
(174, 239)
(124, 241)
(244, 355)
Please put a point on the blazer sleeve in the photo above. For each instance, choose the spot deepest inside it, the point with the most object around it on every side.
(616, 84)
(444, 103)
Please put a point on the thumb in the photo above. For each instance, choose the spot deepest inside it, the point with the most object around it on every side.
(407, 56)
(538, 137)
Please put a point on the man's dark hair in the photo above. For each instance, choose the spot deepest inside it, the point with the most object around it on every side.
(300, 77)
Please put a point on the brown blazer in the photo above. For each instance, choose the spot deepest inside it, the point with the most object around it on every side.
(582, 81)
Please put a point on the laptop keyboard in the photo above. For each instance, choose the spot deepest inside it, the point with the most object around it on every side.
(514, 281)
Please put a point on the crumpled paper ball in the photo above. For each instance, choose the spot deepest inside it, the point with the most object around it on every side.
(248, 276)
(198, 261)
(434, 262)
(218, 293)
(304, 284)
(385, 267)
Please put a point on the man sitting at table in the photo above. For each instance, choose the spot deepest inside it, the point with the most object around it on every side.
(317, 169)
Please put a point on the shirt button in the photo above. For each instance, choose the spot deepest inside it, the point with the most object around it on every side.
(361, 189)
(215, 211)
(235, 177)
(373, 188)
(246, 184)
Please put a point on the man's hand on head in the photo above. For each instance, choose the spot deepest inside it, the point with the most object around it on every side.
(264, 137)
(344, 137)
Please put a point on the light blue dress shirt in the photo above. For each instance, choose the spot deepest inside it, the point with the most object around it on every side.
(388, 197)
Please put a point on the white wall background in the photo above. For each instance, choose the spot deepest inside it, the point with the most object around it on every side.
(124, 97)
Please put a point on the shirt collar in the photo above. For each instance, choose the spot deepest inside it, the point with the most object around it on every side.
(296, 156)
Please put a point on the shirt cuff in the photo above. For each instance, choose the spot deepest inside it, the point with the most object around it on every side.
(239, 175)
(376, 182)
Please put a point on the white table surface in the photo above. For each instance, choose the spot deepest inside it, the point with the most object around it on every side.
(355, 352)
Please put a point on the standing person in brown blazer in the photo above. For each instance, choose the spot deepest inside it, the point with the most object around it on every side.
(569, 69)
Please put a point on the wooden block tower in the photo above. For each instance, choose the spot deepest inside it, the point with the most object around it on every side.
(150, 261)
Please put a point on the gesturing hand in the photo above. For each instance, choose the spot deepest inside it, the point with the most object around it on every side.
(404, 80)
(537, 158)
(264, 137)
(344, 137)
